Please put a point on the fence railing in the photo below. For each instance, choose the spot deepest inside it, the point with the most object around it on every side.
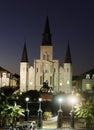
(66, 122)
(78, 123)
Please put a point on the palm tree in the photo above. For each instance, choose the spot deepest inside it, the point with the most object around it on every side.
(85, 110)
(8, 108)
(11, 113)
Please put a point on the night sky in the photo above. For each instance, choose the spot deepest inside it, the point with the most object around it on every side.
(71, 20)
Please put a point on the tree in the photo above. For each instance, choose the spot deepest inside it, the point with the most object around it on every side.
(10, 113)
(8, 108)
(85, 110)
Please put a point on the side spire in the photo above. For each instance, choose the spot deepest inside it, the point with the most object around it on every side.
(68, 55)
(46, 41)
(24, 54)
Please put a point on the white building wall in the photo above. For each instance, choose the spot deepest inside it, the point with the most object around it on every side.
(31, 76)
(61, 79)
(24, 76)
(44, 71)
(67, 78)
(5, 81)
(87, 84)
(55, 75)
(46, 53)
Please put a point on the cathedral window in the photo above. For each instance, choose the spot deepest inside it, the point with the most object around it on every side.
(27, 69)
(41, 68)
(37, 70)
(46, 71)
(52, 69)
(8, 75)
(88, 86)
(1, 75)
(30, 83)
(51, 80)
(4, 75)
(48, 57)
(41, 80)
(60, 84)
(3, 84)
(68, 82)
(87, 76)
(67, 69)
(43, 57)
(93, 76)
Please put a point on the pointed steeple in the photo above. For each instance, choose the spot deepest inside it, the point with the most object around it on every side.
(46, 41)
(24, 54)
(68, 55)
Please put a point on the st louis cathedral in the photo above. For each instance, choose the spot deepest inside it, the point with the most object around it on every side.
(46, 69)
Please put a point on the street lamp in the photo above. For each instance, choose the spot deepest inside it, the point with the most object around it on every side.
(59, 121)
(40, 114)
(73, 101)
(27, 110)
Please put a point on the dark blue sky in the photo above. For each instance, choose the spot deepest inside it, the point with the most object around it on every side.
(71, 20)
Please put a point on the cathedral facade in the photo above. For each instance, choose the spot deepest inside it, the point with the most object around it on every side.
(46, 69)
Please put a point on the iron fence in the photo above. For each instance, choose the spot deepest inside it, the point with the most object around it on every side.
(78, 123)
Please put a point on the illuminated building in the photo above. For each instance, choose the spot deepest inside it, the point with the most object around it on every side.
(8, 79)
(46, 69)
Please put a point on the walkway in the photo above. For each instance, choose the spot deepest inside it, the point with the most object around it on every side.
(61, 129)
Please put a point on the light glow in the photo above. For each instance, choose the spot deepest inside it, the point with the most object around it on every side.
(60, 100)
(40, 99)
(27, 99)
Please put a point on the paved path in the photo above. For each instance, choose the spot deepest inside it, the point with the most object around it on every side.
(60, 129)
(64, 129)
(47, 128)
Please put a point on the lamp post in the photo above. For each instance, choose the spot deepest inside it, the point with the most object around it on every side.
(59, 121)
(40, 114)
(73, 100)
(27, 110)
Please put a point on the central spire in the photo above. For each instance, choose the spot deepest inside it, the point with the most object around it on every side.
(46, 41)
